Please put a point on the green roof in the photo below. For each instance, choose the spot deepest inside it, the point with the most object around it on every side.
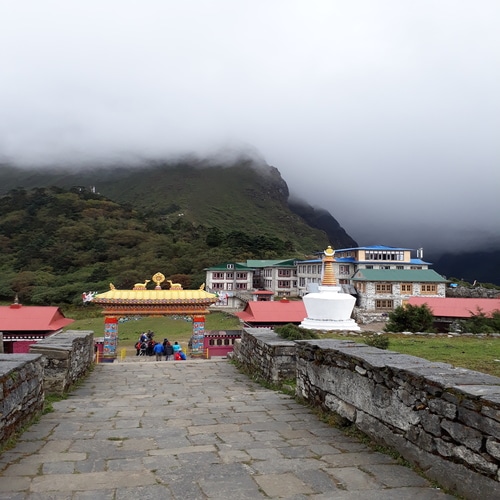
(223, 267)
(408, 275)
(271, 263)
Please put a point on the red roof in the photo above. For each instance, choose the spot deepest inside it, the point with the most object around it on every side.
(292, 311)
(18, 318)
(456, 307)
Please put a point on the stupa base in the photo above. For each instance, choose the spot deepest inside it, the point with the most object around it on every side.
(330, 324)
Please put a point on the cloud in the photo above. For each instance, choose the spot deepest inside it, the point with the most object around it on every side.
(385, 113)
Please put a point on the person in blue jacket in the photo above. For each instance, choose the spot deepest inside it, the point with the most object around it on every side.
(158, 350)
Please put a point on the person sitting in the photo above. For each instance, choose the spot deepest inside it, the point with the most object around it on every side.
(182, 355)
(177, 356)
(176, 347)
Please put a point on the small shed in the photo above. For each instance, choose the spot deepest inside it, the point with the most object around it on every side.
(449, 309)
(23, 326)
(262, 314)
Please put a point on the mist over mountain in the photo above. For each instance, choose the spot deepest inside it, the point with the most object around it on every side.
(242, 195)
(233, 194)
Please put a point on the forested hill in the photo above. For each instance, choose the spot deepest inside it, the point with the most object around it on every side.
(59, 238)
(245, 196)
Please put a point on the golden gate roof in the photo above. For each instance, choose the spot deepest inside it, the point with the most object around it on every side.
(142, 296)
(155, 296)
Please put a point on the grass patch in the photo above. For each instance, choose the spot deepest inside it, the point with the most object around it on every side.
(175, 328)
(48, 406)
(481, 354)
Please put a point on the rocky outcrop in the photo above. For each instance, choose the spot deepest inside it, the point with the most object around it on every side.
(477, 292)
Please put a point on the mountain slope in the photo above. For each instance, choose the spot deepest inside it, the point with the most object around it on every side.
(242, 197)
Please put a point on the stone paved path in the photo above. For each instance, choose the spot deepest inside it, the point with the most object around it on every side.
(193, 430)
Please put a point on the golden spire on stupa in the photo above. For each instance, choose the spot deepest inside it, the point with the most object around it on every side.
(329, 274)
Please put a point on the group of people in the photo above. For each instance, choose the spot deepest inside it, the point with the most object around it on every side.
(147, 346)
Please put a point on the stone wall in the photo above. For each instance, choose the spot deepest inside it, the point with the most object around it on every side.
(21, 392)
(263, 352)
(67, 357)
(443, 419)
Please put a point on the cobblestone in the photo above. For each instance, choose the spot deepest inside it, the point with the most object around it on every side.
(193, 430)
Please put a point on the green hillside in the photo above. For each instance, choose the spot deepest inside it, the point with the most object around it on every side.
(59, 241)
(241, 197)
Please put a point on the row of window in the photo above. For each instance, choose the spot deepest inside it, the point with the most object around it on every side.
(229, 286)
(384, 255)
(229, 276)
(406, 288)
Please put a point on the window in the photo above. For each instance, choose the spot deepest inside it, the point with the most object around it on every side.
(283, 284)
(383, 288)
(230, 266)
(428, 289)
(218, 286)
(384, 304)
(283, 273)
(343, 269)
(302, 282)
(407, 288)
(361, 287)
(384, 255)
(400, 267)
(218, 276)
(229, 276)
(241, 286)
(241, 276)
(369, 267)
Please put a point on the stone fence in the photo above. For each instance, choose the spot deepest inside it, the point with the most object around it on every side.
(21, 392)
(67, 357)
(263, 352)
(444, 420)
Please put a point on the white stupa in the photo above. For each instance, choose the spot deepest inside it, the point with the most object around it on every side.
(329, 308)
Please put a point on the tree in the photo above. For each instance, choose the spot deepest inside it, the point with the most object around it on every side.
(479, 322)
(409, 318)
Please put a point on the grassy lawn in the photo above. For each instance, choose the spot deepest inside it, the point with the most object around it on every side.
(474, 353)
(173, 328)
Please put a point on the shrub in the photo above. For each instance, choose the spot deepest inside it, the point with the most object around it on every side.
(408, 318)
(480, 323)
(294, 332)
(378, 341)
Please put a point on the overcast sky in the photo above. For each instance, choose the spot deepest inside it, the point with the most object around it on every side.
(384, 112)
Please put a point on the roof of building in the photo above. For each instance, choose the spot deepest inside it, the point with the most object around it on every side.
(271, 263)
(17, 317)
(278, 311)
(236, 266)
(404, 275)
(451, 307)
(154, 296)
